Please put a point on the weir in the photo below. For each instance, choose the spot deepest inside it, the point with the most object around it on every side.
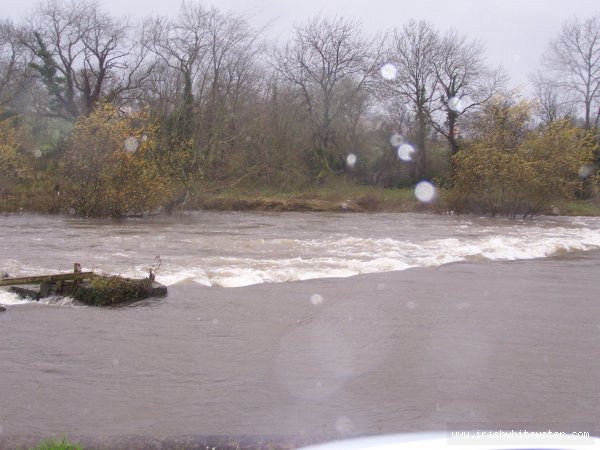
(76, 275)
(107, 290)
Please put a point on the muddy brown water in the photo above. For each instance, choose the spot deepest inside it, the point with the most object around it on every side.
(296, 362)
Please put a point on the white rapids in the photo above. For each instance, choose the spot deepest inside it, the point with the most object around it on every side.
(240, 249)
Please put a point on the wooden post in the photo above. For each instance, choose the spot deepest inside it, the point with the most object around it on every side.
(76, 267)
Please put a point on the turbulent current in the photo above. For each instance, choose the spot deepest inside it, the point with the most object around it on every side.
(241, 249)
(265, 334)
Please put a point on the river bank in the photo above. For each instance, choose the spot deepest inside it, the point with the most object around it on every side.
(368, 200)
(468, 343)
(337, 195)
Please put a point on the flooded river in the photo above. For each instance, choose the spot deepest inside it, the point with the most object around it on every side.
(302, 327)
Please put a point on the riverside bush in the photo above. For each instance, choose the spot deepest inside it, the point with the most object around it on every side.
(541, 168)
(107, 169)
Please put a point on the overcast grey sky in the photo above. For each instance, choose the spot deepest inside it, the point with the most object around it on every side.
(514, 32)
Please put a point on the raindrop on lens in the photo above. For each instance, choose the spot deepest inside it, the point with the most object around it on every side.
(215, 321)
(455, 104)
(410, 305)
(131, 144)
(37, 153)
(72, 211)
(115, 362)
(425, 191)
(343, 425)
(396, 140)
(351, 160)
(585, 171)
(316, 299)
(405, 152)
(389, 71)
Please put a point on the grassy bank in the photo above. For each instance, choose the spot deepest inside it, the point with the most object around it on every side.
(343, 196)
(336, 195)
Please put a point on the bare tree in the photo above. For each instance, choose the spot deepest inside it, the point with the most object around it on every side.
(329, 63)
(572, 62)
(464, 83)
(206, 71)
(14, 63)
(412, 54)
(82, 55)
(182, 49)
(552, 102)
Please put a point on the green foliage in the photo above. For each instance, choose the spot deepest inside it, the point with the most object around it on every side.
(53, 444)
(512, 172)
(48, 72)
(112, 290)
(14, 166)
(107, 168)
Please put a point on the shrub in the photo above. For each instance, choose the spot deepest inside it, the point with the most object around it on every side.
(107, 168)
(544, 167)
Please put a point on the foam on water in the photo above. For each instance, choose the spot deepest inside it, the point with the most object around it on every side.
(344, 256)
(8, 298)
(272, 249)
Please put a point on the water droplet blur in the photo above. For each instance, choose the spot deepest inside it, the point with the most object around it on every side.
(131, 144)
(405, 152)
(463, 305)
(115, 362)
(72, 211)
(144, 138)
(516, 58)
(318, 384)
(545, 358)
(396, 140)
(585, 171)
(455, 104)
(389, 71)
(316, 299)
(215, 321)
(381, 287)
(351, 160)
(37, 153)
(343, 425)
(344, 205)
(411, 305)
(425, 191)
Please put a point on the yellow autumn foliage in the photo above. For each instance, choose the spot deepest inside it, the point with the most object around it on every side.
(13, 165)
(542, 166)
(107, 169)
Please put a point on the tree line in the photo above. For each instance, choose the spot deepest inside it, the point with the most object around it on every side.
(120, 116)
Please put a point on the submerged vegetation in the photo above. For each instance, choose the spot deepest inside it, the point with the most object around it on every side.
(112, 290)
(99, 117)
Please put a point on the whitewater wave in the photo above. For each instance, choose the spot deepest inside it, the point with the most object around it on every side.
(212, 252)
(348, 256)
